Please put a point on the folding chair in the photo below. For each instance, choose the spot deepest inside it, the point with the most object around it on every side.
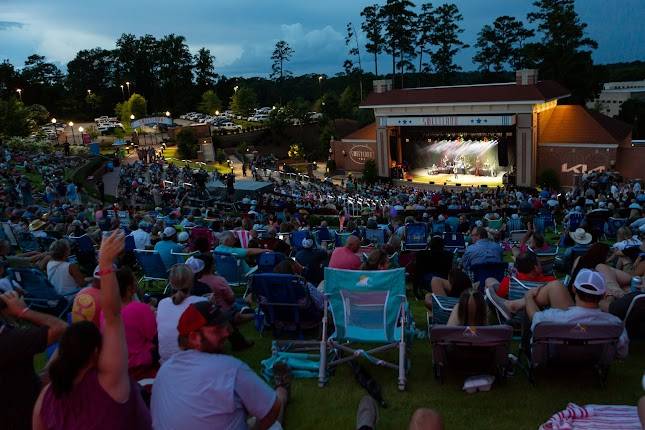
(27, 242)
(574, 344)
(183, 256)
(544, 220)
(442, 308)
(199, 232)
(613, 224)
(517, 289)
(547, 259)
(281, 301)
(482, 348)
(596, 223)
(368, 307)
(268, 260)
(8, 234)
(297, 237)
(341, 238)
(375, 236)
(635, 318)
(575, 219)
(229, 267)
(454, 242)
(481, 272)
(416, 236)
(154, 271)
(40, 294)
(516, 236)
(322, 235)
(83, 248)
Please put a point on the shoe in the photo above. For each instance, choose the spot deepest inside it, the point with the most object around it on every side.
(498, 303)
(282, 376)
(367, 413)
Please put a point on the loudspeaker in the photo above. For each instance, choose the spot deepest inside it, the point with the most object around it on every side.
(458, 185)
(484, 186)
(502, 152)
(431, 182)
(409, 180)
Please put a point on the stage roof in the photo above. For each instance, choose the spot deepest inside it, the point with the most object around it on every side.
(367, 133)
(576, 124)
(491, 93)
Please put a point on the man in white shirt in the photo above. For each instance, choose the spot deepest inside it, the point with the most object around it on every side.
(141, 236)
(589, 289)
(215, 391)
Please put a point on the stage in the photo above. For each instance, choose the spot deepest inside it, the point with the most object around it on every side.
(464, 180)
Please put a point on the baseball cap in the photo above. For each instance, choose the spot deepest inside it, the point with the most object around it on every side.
(169, 232)
(195, 264)
(590, 282)
(183, 236)
(201, 314)
(307, 243)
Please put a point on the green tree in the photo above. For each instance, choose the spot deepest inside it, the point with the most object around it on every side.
(9, 79)
(372, 26)
(425, 24)
(210, 103)
(243, 101)
(93, 102)
(632, 111)
(187, 146)
(399, 19)
(348, 102)
(14, 118)
(92, 69)
(501, 44)
(220, 156)
(175, 73)
(564, 51)
(204, 70)
(446, 37)
(37, 113)
(370, 172)
(351, 41)
(137, 106)
(44, 81)
(281, 54)
(329, 106)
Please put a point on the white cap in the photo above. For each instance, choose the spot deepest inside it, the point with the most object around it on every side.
(195, 264)
(182, 237)
(590, 282)
(307, 243)
(169, 232)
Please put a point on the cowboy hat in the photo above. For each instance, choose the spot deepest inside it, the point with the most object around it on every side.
(36, 225)
(580, 236)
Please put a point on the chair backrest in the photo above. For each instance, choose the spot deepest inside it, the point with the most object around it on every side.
(244, 236)
(577, 343)
(199, 232)
(365, 304)
(27, 242)
(542, 221)
(471, 335)
(613, 224)
(471, 346)
(635, 317)
(34, 282)
(83, 243)
(183, 256)
(341, 238)
(228, 266)
(297, 238)
(280, 296)
(416, 236)
(151, 264)
(517, 288)
(130, 244)
(442, 307)
(8, 233)
(495, 224)
(322, 233)
(575, 219)
(375, 236)
(516, 236)
(453, 222)
(487, 270)
(268, 260)
(454, 242)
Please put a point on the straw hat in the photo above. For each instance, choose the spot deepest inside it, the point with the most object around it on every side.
(36, 225)
(580, 236)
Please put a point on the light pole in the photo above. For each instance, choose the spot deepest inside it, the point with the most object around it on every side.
(320, 79)
(81, 130)
(168, 114)
(89, 92)
(53, 121)
(122, 93)
(19, 91)
(71, 125)
(235, 88)
(128, 84)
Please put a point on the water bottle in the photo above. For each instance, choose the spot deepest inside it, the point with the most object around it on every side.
(635, 284)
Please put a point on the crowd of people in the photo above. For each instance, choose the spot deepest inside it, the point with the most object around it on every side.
(118, 335)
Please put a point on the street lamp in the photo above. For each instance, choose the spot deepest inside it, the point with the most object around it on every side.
(81, 130)
(122, 93)
(235, 88)
(53, 121)
(217, 112)
(128, 84)
(71, 125)
(19, 91)
(132, 116)
(168, 113)
(89, 92)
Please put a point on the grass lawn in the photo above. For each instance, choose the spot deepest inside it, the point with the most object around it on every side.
(513, 405)
(170, 154)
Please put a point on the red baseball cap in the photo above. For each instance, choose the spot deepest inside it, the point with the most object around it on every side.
(198, 315)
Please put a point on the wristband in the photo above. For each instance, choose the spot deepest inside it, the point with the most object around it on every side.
(22, 313)
(105, 271)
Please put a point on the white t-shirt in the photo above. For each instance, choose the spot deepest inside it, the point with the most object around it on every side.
(168, 315)
(201, 391)
(58, 275)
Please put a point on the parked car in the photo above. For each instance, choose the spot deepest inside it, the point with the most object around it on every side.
(229, 126)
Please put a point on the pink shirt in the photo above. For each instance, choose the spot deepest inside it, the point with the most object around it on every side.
(344, 258)
(140, 329)
(224, 295)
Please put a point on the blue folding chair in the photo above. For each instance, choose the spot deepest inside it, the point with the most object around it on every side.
(543, 221)
(575, 219)
(154, 272)
(517, 289)
(613, 224)
(323, 234)
(341, 238)
(375, 236)
(8, 234)
(83, 249)
(481, 272)
(453, 223)
(268, 260)
(297, 237)
(442, 308)
(230, 268)
(27, 242)
(416, 236)
(283, 303)
(40, 294)
(454, 242)
(368, 307)
(546, 258)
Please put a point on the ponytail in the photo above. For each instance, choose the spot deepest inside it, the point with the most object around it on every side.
(179, 296)
(181, 279)
(77, 345)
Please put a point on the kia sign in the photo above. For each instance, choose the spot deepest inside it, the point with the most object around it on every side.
(361, 153)
(151, 120)
(580, 168)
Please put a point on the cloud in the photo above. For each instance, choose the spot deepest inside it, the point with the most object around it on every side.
(6, 25)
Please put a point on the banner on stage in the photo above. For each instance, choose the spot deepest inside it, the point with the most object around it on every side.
(448, 121)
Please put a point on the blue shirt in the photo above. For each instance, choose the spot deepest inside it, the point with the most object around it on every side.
(483, 251)
(237, 252)
(165, 249)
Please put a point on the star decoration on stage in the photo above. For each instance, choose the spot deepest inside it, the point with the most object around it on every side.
(478, 121)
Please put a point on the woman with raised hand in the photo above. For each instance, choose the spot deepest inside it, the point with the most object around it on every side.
(90, 386)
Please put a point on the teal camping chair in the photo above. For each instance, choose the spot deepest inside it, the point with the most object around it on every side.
(368, 307)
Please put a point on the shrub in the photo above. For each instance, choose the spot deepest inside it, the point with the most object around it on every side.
(220, 157)
(549, 179)
(187, 146)
(370, 173)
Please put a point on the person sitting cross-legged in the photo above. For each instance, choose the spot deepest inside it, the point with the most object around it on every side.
(528, 269)
(216, 391)
(457, 282)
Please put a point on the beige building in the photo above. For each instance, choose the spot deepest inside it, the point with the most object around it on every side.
(614, 94)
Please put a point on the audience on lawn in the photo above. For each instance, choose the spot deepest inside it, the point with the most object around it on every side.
(482, 250)
(345, 257)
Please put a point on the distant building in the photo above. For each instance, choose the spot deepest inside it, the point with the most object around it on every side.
(614, 94)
